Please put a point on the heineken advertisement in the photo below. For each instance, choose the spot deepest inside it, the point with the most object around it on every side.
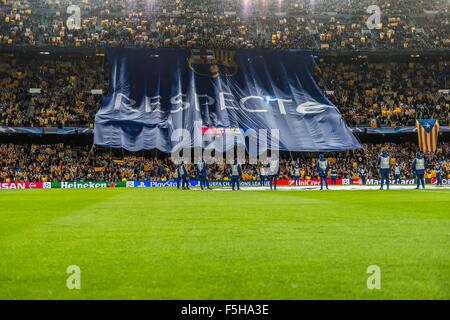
(87, 185)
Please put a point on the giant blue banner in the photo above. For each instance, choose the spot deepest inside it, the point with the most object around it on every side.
(155, 92)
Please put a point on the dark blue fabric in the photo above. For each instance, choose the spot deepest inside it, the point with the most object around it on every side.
(142, 78)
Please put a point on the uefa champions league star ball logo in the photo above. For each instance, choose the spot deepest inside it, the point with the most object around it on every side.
(213, 63)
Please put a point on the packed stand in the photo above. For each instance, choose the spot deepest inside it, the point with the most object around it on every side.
(65, 97)
(35, 163)
(388, 94)
(372, 94)
(320, 24)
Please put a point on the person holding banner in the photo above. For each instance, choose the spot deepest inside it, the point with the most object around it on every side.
(397, 173)
(419, 166)
(333, 176)
(184, 176)
(262, 174)
(297, 174)
(274, 168)
(323, 167)
(178, 175)
(363, 175)
(384, 163)
(236, 172)
(203, 175)
(439, 169)
(267, 170)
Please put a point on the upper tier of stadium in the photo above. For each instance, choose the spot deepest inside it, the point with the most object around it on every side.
(312, 24)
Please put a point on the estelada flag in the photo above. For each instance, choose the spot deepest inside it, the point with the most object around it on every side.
(428, 131)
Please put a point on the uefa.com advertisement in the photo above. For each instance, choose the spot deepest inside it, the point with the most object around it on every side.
(196, 183)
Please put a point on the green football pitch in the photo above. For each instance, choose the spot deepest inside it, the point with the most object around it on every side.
(169, 244)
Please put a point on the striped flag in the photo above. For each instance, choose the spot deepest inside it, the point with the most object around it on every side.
(428, 131)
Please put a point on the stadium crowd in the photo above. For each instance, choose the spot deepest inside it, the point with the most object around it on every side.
(65, 97)
(368, 93)
(319, 24)
(387, 93)
(35, 163)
